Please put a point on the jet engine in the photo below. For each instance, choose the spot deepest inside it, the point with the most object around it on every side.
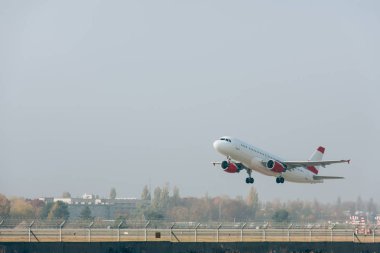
(276, 166)
(230, 167)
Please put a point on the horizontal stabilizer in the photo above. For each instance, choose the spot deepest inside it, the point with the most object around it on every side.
(326, 177)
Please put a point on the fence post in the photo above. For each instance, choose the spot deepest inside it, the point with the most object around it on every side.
(171, 231)
(310, 233)
(217, 232)
(241, 232)
(145, 231)
(289, 227)
(118, 230)
(89, 231)
(1, 222)
(196, 231)
(60, 230)
(265, 226)
(331, 235)
(30, 230)
(373, 233)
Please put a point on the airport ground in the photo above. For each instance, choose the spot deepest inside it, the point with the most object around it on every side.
(153, 236)
(186, 235)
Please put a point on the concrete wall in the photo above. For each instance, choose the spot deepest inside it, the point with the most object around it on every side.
(168, 247)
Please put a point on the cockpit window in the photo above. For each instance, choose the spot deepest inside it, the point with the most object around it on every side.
(224, 139)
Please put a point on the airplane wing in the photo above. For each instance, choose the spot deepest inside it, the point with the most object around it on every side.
(293, 164)
(237, 163)
(326, 177)
(240, 165)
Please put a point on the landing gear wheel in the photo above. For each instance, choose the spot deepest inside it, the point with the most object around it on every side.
(249, 180)
(280, 180)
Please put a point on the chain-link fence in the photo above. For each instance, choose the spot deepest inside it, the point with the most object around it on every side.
(29, 230)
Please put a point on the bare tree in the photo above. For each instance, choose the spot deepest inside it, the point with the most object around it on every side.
(156, 198)
(145, 193)
(252, 202)
(66, 195)
(113, 193)
(21, 208)
(5, 206)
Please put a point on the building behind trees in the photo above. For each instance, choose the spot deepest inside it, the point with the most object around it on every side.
(100, 207)
(166, 203)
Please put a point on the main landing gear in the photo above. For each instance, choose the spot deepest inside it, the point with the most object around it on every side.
(249, 179)
(280, 180)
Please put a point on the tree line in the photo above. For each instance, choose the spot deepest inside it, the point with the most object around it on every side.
(166, 203)
(32, 208)
(250, 208)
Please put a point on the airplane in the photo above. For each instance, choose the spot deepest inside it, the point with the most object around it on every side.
(243, 156)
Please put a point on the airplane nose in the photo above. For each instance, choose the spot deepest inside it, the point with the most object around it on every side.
(216, 145)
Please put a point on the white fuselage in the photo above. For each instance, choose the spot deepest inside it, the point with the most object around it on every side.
(255, 159)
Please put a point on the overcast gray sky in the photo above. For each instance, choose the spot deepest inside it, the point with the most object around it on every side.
(101, 94)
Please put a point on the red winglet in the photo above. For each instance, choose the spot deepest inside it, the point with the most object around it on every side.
(321, 149)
